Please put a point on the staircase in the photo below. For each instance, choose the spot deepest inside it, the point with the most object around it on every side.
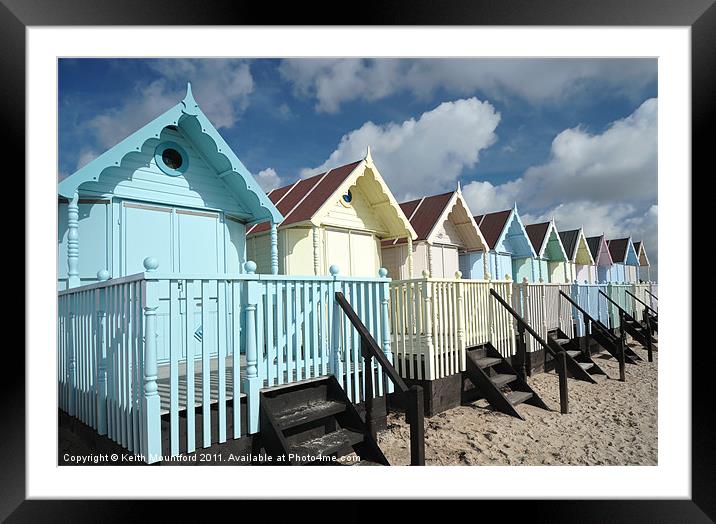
(491, 376)
(637, 331)
(314, 422)
(602, 336)
(580, 365)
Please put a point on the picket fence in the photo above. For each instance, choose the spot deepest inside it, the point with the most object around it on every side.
(123, 346)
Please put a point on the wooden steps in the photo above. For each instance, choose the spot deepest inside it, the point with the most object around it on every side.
(610, 343)
(490, 376)
(314, 422)
(580, 365)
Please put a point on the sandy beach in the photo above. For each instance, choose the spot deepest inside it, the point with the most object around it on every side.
(610, 423)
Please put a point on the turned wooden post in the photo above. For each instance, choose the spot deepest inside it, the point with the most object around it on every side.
(385, 322)
(316, 251)
(430, 320)
(73, 241)
(274, 248)
(101, 391)
(151, 402)
(252, 382)
(461, 344)
(410, 257)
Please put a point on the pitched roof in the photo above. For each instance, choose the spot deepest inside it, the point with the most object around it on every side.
(299, 201)
(492, 225)
(187, 116)
(637, 247)
(423, 213)
(594, 243)
(569, 241)
(537, 234)
(618, 249)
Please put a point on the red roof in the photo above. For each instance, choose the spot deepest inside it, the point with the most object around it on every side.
(537, 232)
(423, 214)
(299, 201)
(492, 225)
(618, 249)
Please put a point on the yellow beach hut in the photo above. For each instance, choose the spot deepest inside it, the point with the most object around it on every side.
(339, 217)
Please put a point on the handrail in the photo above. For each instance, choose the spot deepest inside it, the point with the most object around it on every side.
(414, 408)
(560, 357)
(624, 314)
(652, 294)
(605, 332)
(640, 301)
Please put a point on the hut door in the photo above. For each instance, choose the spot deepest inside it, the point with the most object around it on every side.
(181, 240)
(146, 232)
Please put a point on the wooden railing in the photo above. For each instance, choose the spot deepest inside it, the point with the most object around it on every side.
(433, 320)
(414, 394)
(136, 349)
(590, 325)
(560, 357)
(541, 307)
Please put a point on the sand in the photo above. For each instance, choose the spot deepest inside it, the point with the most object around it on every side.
(610, 423)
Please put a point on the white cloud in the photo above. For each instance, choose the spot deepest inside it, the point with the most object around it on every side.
(606, 183)
(268, 179)
(423, 156)
(221, 87)
(335, 81)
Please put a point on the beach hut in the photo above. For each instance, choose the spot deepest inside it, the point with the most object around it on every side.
(550, 265)
(338, 217)
(625, 259)
(602, 269)
(511, 252)
(579, 256)
(173, 190)
(644, 270)
(167, 338)
(446, 232)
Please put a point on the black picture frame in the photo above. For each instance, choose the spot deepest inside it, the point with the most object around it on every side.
(699, 15)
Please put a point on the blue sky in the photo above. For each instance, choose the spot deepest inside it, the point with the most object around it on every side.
(573, 139)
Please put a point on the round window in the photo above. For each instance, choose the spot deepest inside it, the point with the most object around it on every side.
(171, 158)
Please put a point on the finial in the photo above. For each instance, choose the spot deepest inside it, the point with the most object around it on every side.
(525, 281)
(368, 157)
(151, 264)
(507, 276)
(383, 273)
(426, 273)
(541, 280)
(250, 267)
(102, 275)
(333, 270)
(459, 189)
(190, 105)
(458, 274)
